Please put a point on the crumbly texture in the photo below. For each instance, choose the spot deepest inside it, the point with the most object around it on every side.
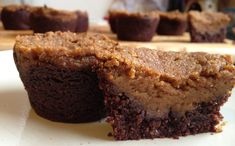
(134, 26)
(16, 17)
(52, 20)
(148, 93)
(207, 26)
(172, 23)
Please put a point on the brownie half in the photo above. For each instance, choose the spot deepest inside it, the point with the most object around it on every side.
(135, 26)
(58, 77)
(82, 21)
(208, 26)
(46, 19)
(172, 23)
(155, 94)
(16, 17)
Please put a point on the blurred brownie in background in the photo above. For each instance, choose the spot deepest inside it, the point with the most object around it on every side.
(135, 26)
(47, 19)
(208, 26)
(16, 17)
(172, 23)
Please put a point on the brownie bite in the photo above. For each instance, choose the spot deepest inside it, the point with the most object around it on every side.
(172, 23)
(208, 26)
(82, 21)
(135, 26)
(155, 94)
(46, 19)
(16, 17)
(58, 77)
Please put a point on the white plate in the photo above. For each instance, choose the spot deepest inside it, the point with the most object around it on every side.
(20, 126)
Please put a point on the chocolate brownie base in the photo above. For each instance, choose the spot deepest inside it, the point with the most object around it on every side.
(131, 122)
(82, 21)
(136, 26)
(62, 94)
(52, 20)
(172, 23)
(16, 17)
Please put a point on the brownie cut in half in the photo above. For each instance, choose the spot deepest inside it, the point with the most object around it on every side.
(82, 21)
(46, 19)
(208, 26)
(56, 70)
(16, 17)
(172, 23)
(155, 94)
(136, 26)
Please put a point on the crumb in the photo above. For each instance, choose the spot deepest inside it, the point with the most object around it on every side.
(219, 127)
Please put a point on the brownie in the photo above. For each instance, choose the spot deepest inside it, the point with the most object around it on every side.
(135, 26)
(208, 26)
(82, 21)
(58, 76)
(172, 23)
(16, 17)
(52, 20)
(155, 94)
(146, 93)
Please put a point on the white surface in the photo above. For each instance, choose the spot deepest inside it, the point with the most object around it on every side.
(20, 126)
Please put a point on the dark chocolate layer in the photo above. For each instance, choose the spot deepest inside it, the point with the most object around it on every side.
(62, 94)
